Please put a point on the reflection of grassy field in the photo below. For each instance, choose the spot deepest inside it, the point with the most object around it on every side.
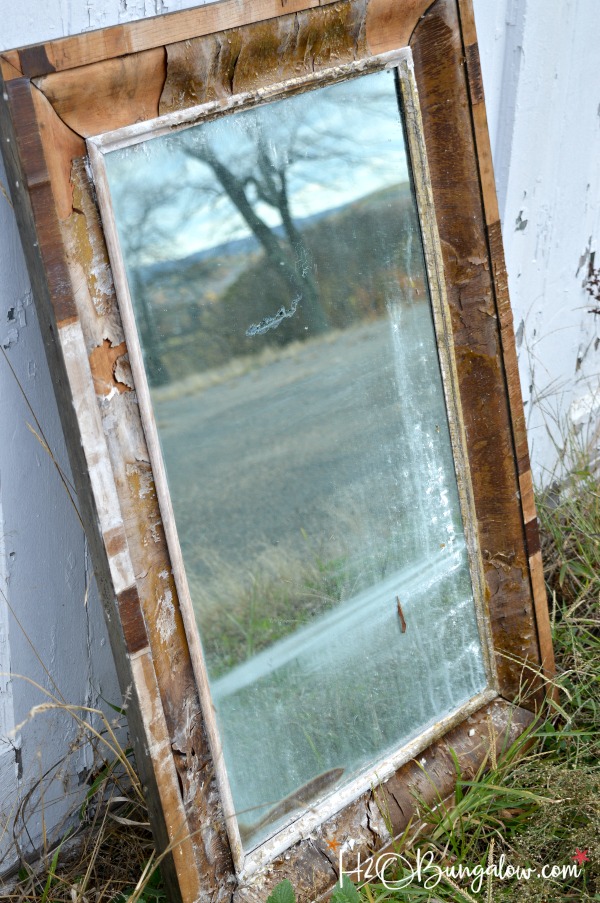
(239, 614)
(238, 367)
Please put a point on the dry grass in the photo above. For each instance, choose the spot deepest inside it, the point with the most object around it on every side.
(535, 805)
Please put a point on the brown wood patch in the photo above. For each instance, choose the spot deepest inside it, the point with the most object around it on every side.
(217, 66)
(456, 187)
(107, 95)
(386, 30)
(146, 34)
(34, 60)
(532, 536)
(474, 73)
(132, 620)
(42, 197)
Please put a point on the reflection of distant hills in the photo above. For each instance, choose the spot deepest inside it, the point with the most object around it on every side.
(249, 244)
(360, 257)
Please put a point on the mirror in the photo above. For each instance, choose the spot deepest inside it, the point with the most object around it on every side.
(277, 275)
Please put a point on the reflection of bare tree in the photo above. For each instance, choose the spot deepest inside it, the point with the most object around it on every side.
(144, 230)
(288, 174)
(268, 181)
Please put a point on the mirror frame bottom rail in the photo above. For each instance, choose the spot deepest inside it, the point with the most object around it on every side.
(57, 95)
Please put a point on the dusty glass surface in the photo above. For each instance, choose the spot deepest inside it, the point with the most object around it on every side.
(276, 269)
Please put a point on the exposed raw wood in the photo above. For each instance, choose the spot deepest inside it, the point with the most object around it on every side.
(29, 181)
(43, 196)
(103, 364)
(386, 29)
(10, 65)
(127, 458)
(536, 566)
(159, 751)
(266, 53)
(440, 72)
(362, 829)
(61, 146)
(109, 94)
(108, 43)
(527, 496)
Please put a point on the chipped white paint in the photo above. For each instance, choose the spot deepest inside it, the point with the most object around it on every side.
(166, 617)
(96, 453)
(540, 79)
(540, 76)
(45, 574)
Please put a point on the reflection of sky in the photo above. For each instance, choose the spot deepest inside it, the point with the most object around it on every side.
(337, 144)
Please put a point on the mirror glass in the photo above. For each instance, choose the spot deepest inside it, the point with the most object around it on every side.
(276, 270)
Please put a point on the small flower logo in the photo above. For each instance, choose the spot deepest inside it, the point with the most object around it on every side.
(580, 856)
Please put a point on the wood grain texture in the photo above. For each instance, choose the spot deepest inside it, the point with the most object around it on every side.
(217, 66)
(60, 147)
(146, 34)
(43, 196)
(536, 566)
(440, 73)
(109, 94)
(132, 619)
(10, 65)
(29, 176)
(507, 336)
(386, 29)
(218, 59)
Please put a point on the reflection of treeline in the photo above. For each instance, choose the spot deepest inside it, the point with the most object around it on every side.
(360, 257)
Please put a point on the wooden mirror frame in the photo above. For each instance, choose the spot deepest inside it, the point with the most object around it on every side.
(57, 95)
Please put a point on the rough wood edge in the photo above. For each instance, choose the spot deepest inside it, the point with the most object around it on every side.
(507, 334)
(446, 353)
(102, 96)
(145, 34)
(363, 828)
(10, 65)
(439, 64)
(28, 178)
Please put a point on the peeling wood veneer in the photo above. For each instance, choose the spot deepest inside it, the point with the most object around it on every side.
(119, 40)
(232, 62)
(109, 94)
(104, 360)
(362, 828)
(507, 336)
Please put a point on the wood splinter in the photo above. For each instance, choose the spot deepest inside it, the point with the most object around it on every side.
(401, 615)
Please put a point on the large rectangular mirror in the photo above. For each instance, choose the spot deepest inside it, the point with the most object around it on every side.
(275, 265)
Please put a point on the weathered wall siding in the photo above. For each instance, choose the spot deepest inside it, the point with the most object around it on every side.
(45, 574)
(541, 80)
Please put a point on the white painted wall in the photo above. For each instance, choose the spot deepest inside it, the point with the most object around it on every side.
(540, 71)
(540, 64)
(51, 625)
